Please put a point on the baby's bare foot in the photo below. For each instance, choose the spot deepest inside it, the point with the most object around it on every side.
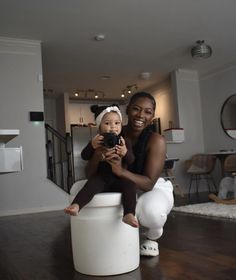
(130, 220)
(72, 210)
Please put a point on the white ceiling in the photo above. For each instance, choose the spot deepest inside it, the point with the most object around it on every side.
(141, 36)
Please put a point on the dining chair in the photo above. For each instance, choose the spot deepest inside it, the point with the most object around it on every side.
(230, 165)
(200, 167)
(168, 174)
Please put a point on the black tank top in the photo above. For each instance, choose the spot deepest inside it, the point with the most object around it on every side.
(139, 150)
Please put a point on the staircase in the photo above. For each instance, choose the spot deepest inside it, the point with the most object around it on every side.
(59, 158)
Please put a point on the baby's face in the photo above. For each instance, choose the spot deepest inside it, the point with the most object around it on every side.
(111, 122)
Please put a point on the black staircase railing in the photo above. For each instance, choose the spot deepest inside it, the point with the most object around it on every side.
(59, 158)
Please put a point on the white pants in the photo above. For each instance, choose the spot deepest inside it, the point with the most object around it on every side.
(154, 206)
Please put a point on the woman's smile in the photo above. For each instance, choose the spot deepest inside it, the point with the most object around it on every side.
(139, 123)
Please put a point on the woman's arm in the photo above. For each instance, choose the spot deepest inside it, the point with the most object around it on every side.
(154, 163)
(129, 158)
(125, 151)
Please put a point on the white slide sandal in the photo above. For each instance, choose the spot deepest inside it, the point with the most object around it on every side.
(149, 248)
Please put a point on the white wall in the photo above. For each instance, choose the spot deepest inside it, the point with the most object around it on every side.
(185, 88)
(215, 90)
(165, 104)
(181, 103)
(50, 111)
(21, 91)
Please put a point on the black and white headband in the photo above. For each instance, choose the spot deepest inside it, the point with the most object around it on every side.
(108, 110)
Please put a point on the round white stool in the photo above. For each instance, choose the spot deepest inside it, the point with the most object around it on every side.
(101, 243)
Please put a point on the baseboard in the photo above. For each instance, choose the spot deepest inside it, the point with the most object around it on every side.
(30, 210)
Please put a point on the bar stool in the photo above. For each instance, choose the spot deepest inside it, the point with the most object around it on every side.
(230, 164)
(168, 174)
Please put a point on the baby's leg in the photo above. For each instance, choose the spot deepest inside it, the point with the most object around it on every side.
(72, 210)
(130, 220)
(93, 186)
(128, 189)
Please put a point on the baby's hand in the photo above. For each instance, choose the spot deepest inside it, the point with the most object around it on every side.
(97, 141)
(121, 149)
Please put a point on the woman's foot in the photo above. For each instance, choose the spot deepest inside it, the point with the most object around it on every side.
(72, 210)
(149, 248)
(131, 220)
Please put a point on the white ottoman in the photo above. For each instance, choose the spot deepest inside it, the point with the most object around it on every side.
(101, 243)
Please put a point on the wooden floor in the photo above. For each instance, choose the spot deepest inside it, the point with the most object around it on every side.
(38, 247)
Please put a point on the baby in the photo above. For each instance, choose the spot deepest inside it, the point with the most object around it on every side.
(109, 123)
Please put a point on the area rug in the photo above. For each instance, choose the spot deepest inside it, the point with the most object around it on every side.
(209, 209)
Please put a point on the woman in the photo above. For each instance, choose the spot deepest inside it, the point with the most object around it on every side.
(156, 195)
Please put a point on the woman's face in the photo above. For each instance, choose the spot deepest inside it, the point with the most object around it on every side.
(140, 113)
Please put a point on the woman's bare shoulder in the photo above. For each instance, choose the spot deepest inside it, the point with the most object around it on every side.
(156, 144)
(157, 138)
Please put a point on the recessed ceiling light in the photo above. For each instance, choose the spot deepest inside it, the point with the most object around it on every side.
(99, 37)
(145, 75)
(105, 77)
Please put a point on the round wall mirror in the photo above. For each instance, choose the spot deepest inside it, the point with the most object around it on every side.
(228, 116)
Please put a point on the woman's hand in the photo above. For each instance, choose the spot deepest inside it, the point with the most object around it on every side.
(121, 149)
(115, 161)
(100, 153)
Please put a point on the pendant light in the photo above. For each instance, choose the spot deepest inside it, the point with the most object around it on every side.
(201, 50)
